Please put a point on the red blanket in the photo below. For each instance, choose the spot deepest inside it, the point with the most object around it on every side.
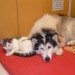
(60, 65)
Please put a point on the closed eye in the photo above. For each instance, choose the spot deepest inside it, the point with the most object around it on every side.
(8, 45)
(49, 47)
(41, 48)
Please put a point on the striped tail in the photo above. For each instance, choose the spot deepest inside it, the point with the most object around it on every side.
(22, 54)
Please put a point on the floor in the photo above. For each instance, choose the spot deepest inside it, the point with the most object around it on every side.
(3, 71)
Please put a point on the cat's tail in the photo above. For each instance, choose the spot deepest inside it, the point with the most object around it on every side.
(22, 54)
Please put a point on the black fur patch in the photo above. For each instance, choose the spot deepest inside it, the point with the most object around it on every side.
(49, 31)
(6, 40)
(46, 30)
(48, 38)
(26, 54)
(39, 38)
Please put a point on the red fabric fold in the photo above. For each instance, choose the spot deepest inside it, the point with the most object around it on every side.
(60, 65)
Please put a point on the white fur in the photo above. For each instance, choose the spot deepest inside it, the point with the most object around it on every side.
(44, 51)
(47, 21)
(23, 45)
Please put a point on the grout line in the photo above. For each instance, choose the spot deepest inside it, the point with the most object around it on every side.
(17, 17)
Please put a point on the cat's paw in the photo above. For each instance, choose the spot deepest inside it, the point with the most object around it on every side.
(8, 54)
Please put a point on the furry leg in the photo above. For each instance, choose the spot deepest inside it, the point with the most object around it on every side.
(11, 52)
(59, 51)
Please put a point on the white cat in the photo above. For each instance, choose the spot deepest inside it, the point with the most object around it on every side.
(22, 47)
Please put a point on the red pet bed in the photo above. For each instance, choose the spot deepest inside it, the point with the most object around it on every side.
(60, 65)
